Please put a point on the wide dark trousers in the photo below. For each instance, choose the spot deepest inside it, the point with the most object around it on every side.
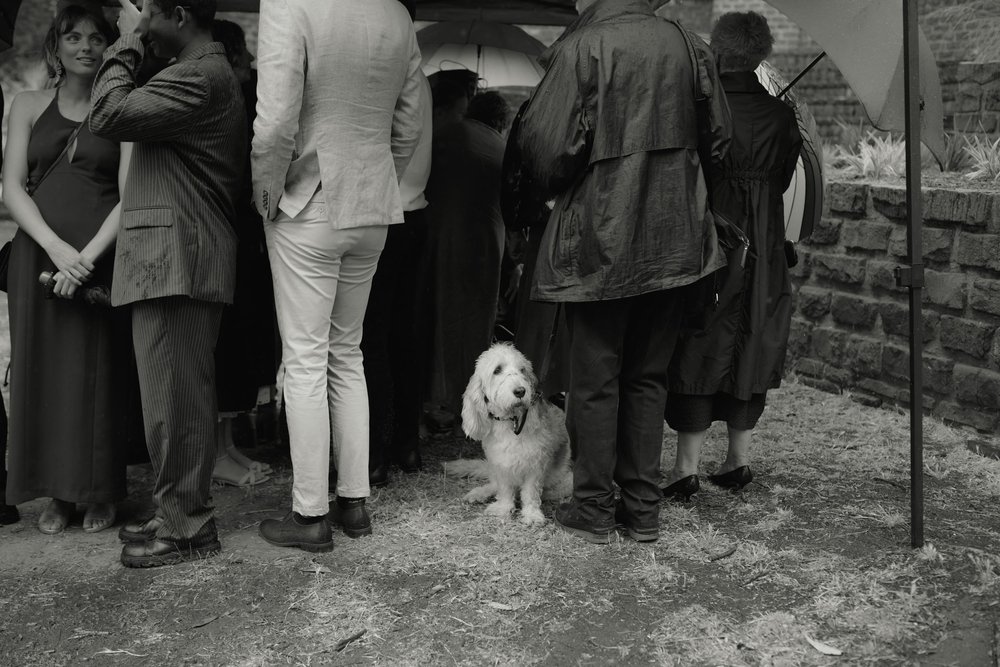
(394, 370)
(619, 355)
(175, 354)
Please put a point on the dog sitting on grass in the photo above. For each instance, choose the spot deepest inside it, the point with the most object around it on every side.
(523, 436)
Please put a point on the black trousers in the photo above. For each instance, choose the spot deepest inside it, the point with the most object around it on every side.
(391, 346)
(175, 354)
(619, 355)
(3, 452)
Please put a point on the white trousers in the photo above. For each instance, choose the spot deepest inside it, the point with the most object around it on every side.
(322, 279)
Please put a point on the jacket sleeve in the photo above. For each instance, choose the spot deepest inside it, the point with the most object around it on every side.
(161, 110)
(554, 138)
(407, 119)
(281, 59)
(716, 126)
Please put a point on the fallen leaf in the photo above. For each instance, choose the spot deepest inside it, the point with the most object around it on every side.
(316, 568)
(825, 649)
(205, 621)
(500, 606)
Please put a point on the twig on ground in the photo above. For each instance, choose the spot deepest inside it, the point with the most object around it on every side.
(759, 575)
(342, 644)
(890, 483)
(725, 554)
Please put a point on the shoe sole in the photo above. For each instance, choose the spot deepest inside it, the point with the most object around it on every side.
(175, 558)
(311, 547)
(593, 538)
(355, 533)
(638, 536)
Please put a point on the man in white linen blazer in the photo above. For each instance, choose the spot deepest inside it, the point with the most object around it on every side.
(338, 119)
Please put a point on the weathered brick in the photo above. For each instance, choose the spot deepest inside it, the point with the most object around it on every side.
(889, 200)
(977, 386)
(811, 367)
(879, 388)
(985, 296)
(821, 384)
(799, 338)
(813, 302)
(945, 289)
(866, 399)
(863, 356)
(953, 413)
(944, 205)
(896, 320)
(937, 370)
(839, 376)
(865, 234)
(984, 211)
(854, 311)
(979, 250)
(825, 232)
(968, 336)
(881, 275)
(848, 198)
(970, 97)
(937, 243)
(828, 344)
(843, 269)
(904, 400)
(803, 269)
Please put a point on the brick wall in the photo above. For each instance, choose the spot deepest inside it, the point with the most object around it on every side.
(850, 326)
(976, 106)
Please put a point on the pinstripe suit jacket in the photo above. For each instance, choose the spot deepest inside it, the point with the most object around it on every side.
(189, 127)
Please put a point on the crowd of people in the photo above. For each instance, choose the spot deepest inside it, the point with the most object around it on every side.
(338, 227)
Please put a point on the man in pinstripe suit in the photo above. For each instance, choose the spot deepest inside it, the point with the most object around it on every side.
(176, 253)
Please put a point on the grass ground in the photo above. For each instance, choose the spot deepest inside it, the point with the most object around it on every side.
(819, 550)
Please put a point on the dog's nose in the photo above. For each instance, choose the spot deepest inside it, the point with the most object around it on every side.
(519, 392)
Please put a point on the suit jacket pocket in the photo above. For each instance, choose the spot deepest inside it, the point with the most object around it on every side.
(153, 216)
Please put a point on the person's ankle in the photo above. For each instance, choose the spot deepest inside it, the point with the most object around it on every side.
(349, 502)
(307, 520)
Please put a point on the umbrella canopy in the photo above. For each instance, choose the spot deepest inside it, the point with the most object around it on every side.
(8, 16)
(804, 196)
(501, 54)
(864, 38)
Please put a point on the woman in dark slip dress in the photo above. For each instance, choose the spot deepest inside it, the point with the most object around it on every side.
(68, 422)
(722, 372)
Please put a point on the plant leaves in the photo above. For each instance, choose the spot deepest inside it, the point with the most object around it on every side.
(825, 649)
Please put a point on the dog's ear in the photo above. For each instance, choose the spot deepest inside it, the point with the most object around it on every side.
(475, 420)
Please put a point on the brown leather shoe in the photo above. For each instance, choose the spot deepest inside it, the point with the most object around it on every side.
(140, 530)
(351, 515)
(289, 532)
(166, 551)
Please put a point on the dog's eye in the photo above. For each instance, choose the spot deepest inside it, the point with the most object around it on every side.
(496, 371)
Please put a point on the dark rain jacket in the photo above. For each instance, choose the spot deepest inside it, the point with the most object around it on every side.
(741, 349)
(611, 132)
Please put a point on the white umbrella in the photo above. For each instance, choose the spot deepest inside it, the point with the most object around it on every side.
(501, 54)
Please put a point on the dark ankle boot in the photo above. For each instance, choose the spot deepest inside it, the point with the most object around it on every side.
(351, 515)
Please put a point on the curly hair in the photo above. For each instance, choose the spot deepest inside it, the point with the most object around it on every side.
(490, 108)
(741, 41)
(64, 22)
(203, 11)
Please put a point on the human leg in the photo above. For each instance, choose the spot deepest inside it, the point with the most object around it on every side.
(649, 340)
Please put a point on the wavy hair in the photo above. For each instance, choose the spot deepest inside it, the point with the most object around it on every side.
(64, 22)
(741, 41)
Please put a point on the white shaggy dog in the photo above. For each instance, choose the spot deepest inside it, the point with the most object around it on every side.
(523, 435)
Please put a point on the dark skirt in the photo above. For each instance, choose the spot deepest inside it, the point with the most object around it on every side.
(688, 413)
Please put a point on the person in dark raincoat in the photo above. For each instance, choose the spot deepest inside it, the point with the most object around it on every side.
(722, 372)
(612, 132)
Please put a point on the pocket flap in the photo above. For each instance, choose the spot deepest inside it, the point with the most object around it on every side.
(159, 216)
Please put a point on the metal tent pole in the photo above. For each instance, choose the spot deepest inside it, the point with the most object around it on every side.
(912, 276)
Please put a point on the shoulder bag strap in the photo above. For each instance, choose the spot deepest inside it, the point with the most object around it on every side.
(69, 142)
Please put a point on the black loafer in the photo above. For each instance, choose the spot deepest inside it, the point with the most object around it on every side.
(352, 516)
(141, 530)
(638, 532)
(288, 532)
(570, 518)
(379, 476)
(166, 551)
(734, 479)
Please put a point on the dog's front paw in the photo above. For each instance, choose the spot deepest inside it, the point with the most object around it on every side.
(480, 494)
(499, 509)
(532, 517)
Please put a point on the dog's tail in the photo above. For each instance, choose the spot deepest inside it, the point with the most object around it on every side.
(476, 468)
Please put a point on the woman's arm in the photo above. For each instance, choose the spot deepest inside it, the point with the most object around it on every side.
(106, 235)
(22, 208)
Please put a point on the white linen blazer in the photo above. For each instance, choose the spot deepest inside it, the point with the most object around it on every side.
(338, 106)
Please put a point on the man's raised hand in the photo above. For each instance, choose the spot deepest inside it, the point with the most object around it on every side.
(133, 21)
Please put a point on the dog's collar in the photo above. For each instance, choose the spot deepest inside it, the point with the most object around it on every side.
(518, 423)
